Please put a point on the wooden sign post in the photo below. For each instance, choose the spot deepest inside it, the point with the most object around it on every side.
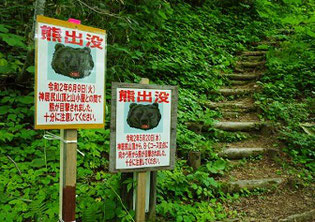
(69, 95)
(141, 185)
(141, 196)
(68, 171)
(143, 134)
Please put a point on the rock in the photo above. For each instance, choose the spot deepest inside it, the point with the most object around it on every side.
(230, 92)
(306, 216)
(229, 220)
(252, 184)
(238, 126)
(196, 127)
(254, 53)
(239, 106)
(251, 64)
(238, 82)
(239, 153)
(247, 76)
(253, 58)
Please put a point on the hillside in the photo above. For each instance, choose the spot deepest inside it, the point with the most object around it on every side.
(245, 72)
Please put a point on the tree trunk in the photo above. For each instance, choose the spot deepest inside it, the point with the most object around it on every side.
(24, 76)
(194, 159)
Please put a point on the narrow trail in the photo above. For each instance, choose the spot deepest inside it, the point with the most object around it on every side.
(256, 160)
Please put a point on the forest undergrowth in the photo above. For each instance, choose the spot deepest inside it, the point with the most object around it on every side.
(171, 43)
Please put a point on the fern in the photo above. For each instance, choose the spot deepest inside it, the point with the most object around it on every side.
(93, 213)
(37, 209)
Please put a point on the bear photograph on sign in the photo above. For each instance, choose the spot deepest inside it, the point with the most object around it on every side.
(144, 118)
(72, 62)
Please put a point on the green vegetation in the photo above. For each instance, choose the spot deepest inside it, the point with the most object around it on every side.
(169, 42)
(288, 84)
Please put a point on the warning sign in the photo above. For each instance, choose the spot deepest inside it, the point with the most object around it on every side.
(70, 75)
(143, 127)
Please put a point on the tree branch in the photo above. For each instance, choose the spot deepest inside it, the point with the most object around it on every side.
(15, 164)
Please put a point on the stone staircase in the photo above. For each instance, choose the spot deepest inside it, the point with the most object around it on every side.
(240, 115)
(254, 160)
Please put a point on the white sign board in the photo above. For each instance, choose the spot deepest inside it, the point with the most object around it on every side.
(70, 75)
(143, 119)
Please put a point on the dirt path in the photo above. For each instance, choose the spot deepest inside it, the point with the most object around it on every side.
(279, 197)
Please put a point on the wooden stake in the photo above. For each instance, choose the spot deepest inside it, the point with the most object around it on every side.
(152, 203)
(194, 159)
(144, 81)
(126, 195)
(140, 198)
(141, 185)
(68, 171)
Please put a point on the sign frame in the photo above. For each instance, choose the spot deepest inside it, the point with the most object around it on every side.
(173, 119)
(66, 24)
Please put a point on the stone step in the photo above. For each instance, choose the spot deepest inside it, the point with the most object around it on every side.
(239, 126)
(238, 69)
(238, 82)
(239, 115)
(250, 185)
(251, 64)
(240, 153)
(252, 58)
(286, 31)
(245, 76)
(303, 217)
(239, 106)
(268, 42)
(231, 92)
(235, 114)
(254, 53)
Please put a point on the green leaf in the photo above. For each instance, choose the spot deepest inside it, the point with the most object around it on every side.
(5, 69)
(194, 186)
(27, 134)
(31, 69)
(162, 14)
(3, 62)
(26, 99)
(13, 40)
(219, 165)
(110, 206)
(310, 33)
(12, 117)
(39, 162)
(3, 29)
(5, 136)
(4, 110)
(212, 182)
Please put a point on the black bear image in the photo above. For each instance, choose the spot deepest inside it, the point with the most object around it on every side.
(144, 117)
(75, 63)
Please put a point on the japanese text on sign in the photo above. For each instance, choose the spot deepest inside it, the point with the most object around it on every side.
(129, 96)
(70, 75)
(54, 34)
(69, 102)
(143, 120)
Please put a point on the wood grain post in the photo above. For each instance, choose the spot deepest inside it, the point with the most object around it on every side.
(152, 204)
(141, 185)
(140, 197)
(68, 171)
